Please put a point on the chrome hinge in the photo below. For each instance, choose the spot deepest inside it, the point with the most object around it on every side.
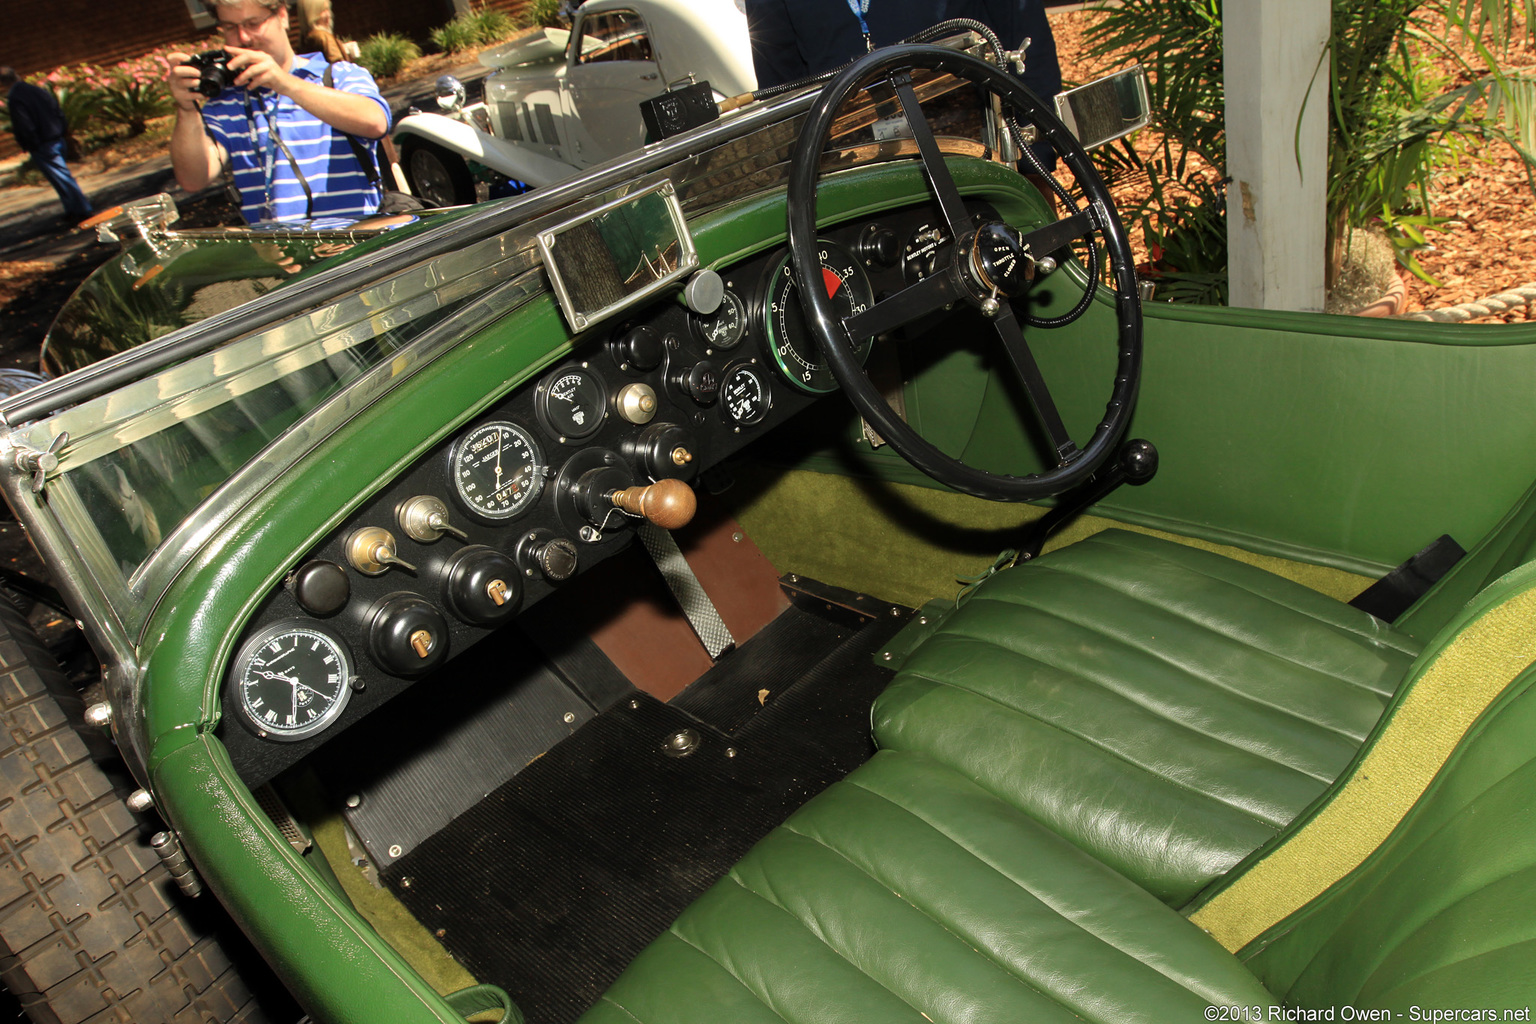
(168, 847)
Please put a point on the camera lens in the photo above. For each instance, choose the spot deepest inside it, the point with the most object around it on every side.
(214, 74)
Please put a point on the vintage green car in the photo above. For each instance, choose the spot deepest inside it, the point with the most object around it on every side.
(626, 603)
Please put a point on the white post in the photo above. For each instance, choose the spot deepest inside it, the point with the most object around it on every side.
(1276, 76)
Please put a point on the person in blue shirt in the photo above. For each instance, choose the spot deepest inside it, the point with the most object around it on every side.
(282, 126)
(41, 130)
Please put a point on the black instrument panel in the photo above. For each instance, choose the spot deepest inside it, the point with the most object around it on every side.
(495, 518)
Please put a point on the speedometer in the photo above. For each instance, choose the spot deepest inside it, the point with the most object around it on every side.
(791, 345)
(497, 470)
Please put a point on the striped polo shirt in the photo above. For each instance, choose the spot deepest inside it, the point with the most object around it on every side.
(241, 121)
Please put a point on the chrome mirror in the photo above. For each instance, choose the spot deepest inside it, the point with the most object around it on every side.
(1107, 109)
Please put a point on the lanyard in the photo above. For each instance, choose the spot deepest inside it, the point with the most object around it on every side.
(859, 9)
(275, 143)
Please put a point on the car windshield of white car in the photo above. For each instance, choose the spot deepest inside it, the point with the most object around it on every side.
(614, 35)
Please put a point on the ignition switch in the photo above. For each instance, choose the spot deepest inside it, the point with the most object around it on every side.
(700, 382)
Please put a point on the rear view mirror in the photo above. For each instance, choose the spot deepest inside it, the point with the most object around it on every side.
(1104, 110)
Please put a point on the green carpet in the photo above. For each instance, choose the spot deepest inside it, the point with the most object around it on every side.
(908, 544)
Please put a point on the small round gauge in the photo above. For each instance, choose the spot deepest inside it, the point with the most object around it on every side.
(745, 395)
(790, 342)
(292, 680)
(571, 403)
(497, 470)
(726, 326)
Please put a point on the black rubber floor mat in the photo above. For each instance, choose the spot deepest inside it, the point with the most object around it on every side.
(783, 653)
(553, 883)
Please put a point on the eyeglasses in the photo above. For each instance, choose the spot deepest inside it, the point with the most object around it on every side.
(248, 27)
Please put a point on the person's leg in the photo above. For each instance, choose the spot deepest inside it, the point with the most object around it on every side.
(50, 160)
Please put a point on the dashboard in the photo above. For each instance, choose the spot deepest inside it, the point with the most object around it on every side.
(529, 494)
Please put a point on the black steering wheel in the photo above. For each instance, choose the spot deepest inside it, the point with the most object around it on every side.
(986, 266)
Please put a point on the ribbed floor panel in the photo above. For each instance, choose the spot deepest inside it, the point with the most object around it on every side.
(553, 883)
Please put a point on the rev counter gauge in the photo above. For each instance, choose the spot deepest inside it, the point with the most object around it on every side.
(745, 396)
(726, 326)
(497, 470)
(292, 680)
(790, 343)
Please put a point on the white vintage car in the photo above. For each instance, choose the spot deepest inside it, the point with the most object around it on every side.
(560, 101)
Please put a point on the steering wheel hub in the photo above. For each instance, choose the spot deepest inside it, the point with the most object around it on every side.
(1000, 261)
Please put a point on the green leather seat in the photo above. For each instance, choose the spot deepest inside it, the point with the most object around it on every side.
(1167, 709)
(909, 892)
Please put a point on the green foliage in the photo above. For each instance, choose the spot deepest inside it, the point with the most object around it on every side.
(105, 103)
(79, 89)
(1391, 125)
(387, 53)
(467, 31)
(135, 93)
(456, 36)
(544, 14)
(1183, 218)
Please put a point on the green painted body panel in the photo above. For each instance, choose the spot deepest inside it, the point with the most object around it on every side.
(306, 930)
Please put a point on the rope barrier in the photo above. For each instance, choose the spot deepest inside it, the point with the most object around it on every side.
(1525, 296)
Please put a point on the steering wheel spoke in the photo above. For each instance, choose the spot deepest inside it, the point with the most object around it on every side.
(939, 178)
(1029, 375)
(909, 304)
(1045, 240)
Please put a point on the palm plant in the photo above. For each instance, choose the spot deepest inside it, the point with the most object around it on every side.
(1391, 124)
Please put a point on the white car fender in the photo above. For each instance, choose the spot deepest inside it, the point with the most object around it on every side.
(471, 143)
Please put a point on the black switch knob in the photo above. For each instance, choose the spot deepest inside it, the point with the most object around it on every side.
(551, 556)
(408, 636)
(557, 559)
(664, 450)
(880, 246)
(482, 586)
(700, 382)
(320, 587)
(640, 348)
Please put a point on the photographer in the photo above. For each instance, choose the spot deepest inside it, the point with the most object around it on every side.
(280, 123)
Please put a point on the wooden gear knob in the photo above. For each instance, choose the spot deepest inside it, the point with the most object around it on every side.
(669, 503)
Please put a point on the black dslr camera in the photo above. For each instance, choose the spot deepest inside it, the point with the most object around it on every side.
(213, 66)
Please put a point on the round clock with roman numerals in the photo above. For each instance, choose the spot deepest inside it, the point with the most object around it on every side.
(292, 680)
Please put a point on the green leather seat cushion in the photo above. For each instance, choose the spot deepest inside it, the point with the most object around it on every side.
(1167, 709)
(908, 893)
